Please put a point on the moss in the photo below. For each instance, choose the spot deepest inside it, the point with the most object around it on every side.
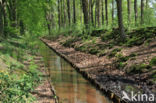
(134, 38)
(122, 58)
(134, 41)
(139, 68)
(132, 55)
(139, 36)
(101, 53)
(154, 78)
(68, 43)
(107, 36)
(93, 51)
(121, 65)
(153, 61)
(98, 32)
(114, 52)
(82, 48)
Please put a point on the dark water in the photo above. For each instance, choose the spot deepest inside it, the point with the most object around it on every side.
(70, 86)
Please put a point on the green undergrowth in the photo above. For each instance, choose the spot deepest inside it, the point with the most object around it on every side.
(17, 80)
(134, 37)
(110, 38)
(139, 68)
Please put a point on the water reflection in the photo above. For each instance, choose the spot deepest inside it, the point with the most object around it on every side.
(70, 86)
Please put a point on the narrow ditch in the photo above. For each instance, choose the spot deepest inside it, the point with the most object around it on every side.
(70, 85)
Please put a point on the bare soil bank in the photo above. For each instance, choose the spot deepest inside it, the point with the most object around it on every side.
(102, 72)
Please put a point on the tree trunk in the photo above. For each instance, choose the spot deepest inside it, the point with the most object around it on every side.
(74, 12)
(102, 12)
(98, 11)
(62, 13)
(120, 19)
(112, 13)
(59, 17)
(92, 18)
(136, 11)
(85, 12)
(68, 6)
(14, 16)
(142, 11)
(21, 27)
(106, 11)
(1, 20)
(4, 13)
(129, 10)
(95, 15)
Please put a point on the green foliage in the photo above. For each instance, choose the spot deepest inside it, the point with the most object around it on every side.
(121, 65)
(98, 32)
(153, 61)
(11, 31)
(134, 38)
(114, 52)
(68, 43)
(139, 68)
(122, 58)
(139, 36)
(17, 82)
(16, 89)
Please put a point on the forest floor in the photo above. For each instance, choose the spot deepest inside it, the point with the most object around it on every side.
(110, 63)
(19, 61)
